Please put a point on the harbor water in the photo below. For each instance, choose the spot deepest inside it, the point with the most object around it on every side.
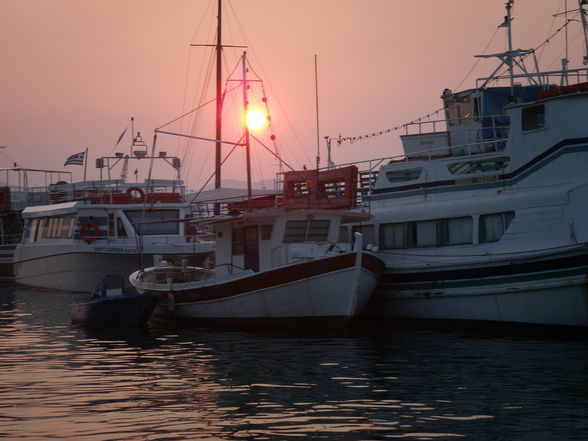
(64, 381)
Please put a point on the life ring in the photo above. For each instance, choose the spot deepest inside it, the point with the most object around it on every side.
(137, 199)
(89, 231)
(189, 232)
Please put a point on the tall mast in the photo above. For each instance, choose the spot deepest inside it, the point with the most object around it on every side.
(245, 109)
(581, 4)
(219, 93)
(510, 54)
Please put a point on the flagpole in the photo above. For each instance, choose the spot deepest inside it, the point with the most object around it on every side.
(85, 163)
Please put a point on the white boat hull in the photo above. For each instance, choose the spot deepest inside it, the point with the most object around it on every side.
(551, 292)
(79, 271)
(328, 293)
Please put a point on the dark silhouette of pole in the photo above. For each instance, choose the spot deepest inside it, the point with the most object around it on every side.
(219, 104)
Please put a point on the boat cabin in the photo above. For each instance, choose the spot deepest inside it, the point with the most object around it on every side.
(266, 239)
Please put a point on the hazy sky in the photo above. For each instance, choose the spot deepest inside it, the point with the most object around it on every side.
(75, 71)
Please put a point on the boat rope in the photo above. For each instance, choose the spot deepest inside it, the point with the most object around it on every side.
(214, 173)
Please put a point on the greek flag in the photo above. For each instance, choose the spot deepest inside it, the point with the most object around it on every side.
(77, 159)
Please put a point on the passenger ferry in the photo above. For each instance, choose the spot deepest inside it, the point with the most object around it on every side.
(97, 228)
(485, 216)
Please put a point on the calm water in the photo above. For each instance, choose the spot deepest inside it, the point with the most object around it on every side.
(62, 381)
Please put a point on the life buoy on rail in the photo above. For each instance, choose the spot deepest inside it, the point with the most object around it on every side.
(133, 191)
(189, 232)
(89, 231)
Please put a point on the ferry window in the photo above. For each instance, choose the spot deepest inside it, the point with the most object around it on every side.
(480, 166)
(456, 231)
(368, 232)
(307, 230)
(237, 242)
(266, 232)
(430, 233)
(393, 235)
(426, 234)
(533, 117)
(493, 226)
(403, 175)
(154, 222)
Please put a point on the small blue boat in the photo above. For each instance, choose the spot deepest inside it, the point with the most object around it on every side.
(111, 304)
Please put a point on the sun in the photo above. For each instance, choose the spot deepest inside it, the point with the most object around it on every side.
(255, 119)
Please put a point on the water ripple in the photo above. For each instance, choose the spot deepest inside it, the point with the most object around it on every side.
(60, 381)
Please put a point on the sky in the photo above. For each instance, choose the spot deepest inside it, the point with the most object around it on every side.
(74, 72)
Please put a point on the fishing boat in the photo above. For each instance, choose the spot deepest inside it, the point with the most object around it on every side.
(109, 226)
(112, 304)
(279, 260)
(274, 267)
(484, 216)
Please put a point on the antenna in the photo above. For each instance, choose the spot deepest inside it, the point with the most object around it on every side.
(318, 151)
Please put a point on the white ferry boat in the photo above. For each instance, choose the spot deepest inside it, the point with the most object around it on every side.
(485, 216)
(98, 228)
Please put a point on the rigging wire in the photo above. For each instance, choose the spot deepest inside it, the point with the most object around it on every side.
(272, 90)
(352, 139)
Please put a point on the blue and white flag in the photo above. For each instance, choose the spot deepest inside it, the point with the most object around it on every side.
(77, 159)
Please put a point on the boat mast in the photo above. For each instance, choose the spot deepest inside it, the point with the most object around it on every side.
(219, 104)
(581, 4)
(247, 149)
(509, 59)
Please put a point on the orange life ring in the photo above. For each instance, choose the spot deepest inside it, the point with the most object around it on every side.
(136, 200)
(189, 232)
(89, 231)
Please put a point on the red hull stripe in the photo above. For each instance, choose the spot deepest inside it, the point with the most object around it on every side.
(279, 276)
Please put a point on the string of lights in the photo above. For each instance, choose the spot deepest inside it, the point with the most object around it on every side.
(351, 139)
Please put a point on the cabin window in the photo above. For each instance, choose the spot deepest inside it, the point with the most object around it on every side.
(71, 226)
(422, 234)
(533, 117)
(41, 228)
(343, 235)
(306, 230)
(266, 232)
(237, 242)
(368, 232)
(493, 226)
(393, 235)
(457, 110)
(455, 231)
(111, 221)
(121, 231)
(50, 231)
(58, 226)
(154, 222)
(33, 231)
(480, 166)
(396, 176)
(429, 233)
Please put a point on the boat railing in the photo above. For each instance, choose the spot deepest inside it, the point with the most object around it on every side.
(547, 78)
(110, 191)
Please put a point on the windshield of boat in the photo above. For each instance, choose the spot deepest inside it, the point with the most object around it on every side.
(154, 222)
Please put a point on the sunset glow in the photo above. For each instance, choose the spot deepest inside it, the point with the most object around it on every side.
(255, 119)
